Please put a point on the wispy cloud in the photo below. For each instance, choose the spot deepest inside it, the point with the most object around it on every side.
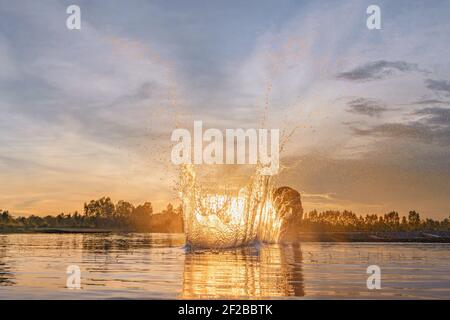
(378, 70)
(433, 128)
(429, 102)
(438, 85)
(367, 107)
(436, 116)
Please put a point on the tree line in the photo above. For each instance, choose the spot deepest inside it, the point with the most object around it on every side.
(103, 214)
(348, 221)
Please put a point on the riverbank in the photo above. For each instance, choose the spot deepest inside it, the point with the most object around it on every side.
(388, 236)
(60, 230)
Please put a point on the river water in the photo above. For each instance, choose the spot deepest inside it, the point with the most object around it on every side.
(157, 266)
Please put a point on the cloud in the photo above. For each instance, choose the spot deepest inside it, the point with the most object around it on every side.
(434, 128)
(438, 85)
(377, 70)
(429, 101)
(367, 107)
(396, 130)
(436, 116)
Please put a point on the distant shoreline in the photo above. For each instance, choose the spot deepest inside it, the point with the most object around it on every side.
(385, 236)
(64, 230)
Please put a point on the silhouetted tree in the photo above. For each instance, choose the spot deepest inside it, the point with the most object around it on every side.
(392, 220)
(414, 219)
(141, 216)
(124, 209)
(5, 217)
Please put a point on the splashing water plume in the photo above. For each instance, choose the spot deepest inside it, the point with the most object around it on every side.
(229, 219)
(253, 213)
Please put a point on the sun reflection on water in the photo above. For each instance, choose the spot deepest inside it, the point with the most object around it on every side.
(243, 273)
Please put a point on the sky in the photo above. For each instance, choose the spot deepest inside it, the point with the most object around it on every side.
(89, 113)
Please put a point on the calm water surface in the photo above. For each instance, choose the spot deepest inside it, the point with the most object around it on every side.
(156, 266)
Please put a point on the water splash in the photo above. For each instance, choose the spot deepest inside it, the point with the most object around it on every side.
(229, 219)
